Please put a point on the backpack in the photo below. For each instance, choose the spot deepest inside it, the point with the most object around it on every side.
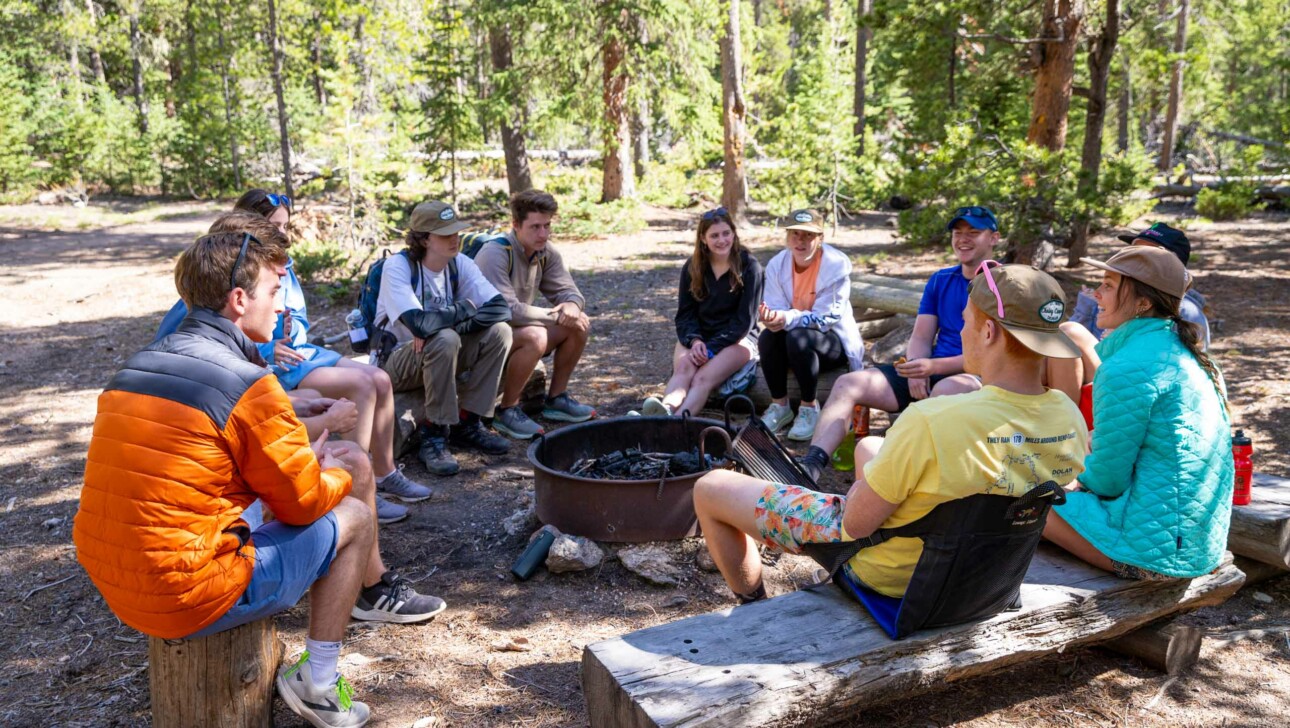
(367, 298)
(473, 242)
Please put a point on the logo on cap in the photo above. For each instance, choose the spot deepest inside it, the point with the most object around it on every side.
(803, 217)
(446, 214)
(1052, 311)
(1151, 232)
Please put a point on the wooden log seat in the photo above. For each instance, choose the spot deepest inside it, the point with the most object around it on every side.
(1261, 530)
(815, 656)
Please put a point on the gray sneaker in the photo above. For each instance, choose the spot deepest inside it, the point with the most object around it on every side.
(564, 408)
(325, 707)
(387, 512)
(398, 485)
(512, 422)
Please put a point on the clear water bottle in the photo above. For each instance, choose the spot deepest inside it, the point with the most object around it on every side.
(357, 332)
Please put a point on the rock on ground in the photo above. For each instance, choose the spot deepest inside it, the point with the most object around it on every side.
(573, 553)
(651, 563)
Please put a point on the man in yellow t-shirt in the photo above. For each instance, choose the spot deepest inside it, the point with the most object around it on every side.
(1008, 437)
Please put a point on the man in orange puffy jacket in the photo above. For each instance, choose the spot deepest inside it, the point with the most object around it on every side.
(190, 432)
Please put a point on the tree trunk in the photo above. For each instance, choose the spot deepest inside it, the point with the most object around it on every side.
(284, 141)
(1101, 51)
(734, 184)
(226, 87)
(316, 52)
(1125, 106)
(863, 34)
(96, 60)
(365, 100)
(1052, 100)
(518, 177)
(954, 62)
(640, 113)
(136, 61)
(1175, 89)
(617, 181)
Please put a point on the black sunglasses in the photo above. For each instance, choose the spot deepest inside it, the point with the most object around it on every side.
(278, 200)
(246, 239)
(711, 215)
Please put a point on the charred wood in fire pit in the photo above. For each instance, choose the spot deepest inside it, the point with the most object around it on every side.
(632, 464)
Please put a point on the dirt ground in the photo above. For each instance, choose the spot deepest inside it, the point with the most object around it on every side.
(85, 288)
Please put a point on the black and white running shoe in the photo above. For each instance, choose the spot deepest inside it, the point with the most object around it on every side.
(392, 599)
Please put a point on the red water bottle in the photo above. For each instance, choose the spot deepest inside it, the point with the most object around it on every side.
(1242, 449)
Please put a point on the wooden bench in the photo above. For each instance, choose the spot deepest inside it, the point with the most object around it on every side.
(1261, 530)
(814, 656)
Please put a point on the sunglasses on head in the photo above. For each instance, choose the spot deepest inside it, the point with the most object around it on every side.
(279, 200)
(974, 211)
(716, 214)
(232, 276)
(989, 281)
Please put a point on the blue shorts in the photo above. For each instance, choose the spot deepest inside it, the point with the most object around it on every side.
(288, 560)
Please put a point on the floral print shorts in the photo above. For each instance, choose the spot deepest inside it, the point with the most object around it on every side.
(789, 516)
(1137, 573)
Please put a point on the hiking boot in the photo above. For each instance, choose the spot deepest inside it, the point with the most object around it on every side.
(398, 485)
(392, 599)
(387, 512)
(434, 451)
(776, 416)
(475, 436)
(512, 422)
(654, 407)
(563, 408)
(804, 427)
(332, 706)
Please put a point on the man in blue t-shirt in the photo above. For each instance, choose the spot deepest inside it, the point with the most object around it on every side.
(934, 365)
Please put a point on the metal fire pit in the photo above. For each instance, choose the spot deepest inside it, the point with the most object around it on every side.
(618, 510)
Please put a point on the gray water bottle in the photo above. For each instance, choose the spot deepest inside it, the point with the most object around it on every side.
(357, 331)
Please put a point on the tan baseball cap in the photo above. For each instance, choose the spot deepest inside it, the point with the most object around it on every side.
(1032, 306)
(808, 220)
(436, 217)
(1156, 267)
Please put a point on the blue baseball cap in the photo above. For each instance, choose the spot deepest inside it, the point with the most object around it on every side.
(981, 218)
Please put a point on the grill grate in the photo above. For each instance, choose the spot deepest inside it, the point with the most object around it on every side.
(760, 453)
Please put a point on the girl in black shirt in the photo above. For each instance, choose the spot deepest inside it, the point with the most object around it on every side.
(717, 309)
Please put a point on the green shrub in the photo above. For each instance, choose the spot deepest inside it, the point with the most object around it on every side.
(318, 261)
(1225, 202)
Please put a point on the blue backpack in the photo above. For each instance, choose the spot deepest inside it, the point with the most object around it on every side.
(367, 297)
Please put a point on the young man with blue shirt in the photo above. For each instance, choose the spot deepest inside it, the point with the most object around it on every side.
(934, 365)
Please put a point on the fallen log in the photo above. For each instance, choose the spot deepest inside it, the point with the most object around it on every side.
(1171, 648)
(908, 284)
(733, 667)
(877, 328)
(1281, 192)
(760, 393)
(1261, 530)
(887, 298)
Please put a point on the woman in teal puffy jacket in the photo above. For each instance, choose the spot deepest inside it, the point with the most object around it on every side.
(1155, 497)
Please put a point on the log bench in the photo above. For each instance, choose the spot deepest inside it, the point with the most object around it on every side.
(225, 679)
(1261, 530)
(814, 656)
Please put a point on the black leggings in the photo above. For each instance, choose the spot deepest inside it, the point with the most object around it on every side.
(806, 351)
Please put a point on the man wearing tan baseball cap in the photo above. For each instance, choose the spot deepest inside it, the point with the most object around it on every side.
(1006, 438)
(445, 319)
